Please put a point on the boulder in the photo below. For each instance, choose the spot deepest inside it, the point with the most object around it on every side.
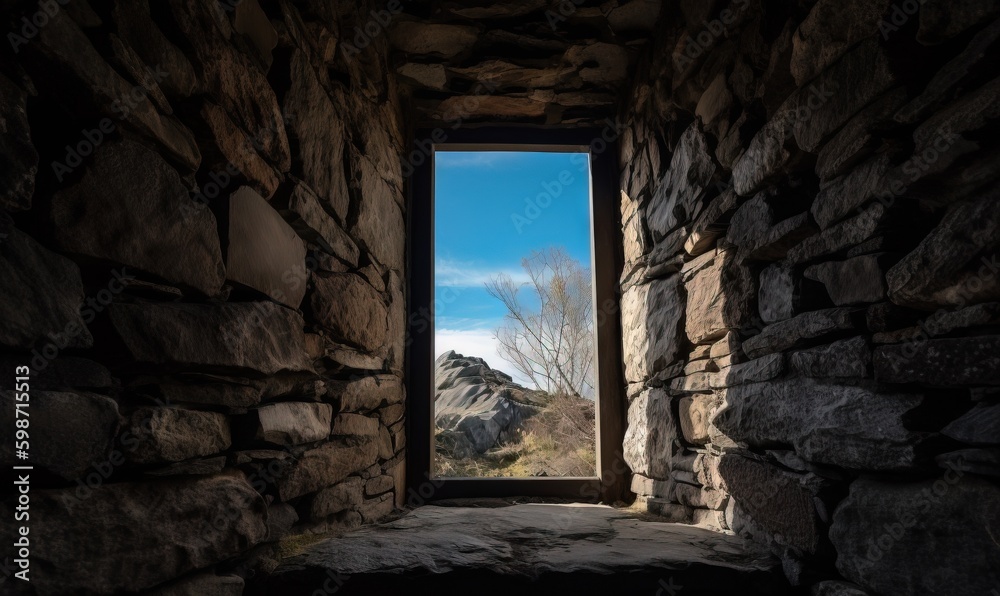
(933, 537)
(652, 316)
(264, 252)
(287, 423)
(325, 466)
(852, 426)
(366, 393)
(651, 435)
(792, 332)
(166, 435)
(351, 310)
(74, 430)
(855, 281)
(720, 299)
(844, 358)
(42, 297)
(151, 532)
(17, 183)
(952, 362)
(678, 194)
(107, 215)
(255, 336)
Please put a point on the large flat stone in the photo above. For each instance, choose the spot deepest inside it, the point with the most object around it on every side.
(531, 548)
(652, 316)
(792, 332)
(150, 532)
(852, 426)
(366, 393)
(325, 466)
(945, 528)
(380, 227)
(844, 358)
(286, 423)
(167, 435)
(720, 298)
(351, 309)
(17, 183)
(941, 362)
(651, 436)
(108, 215)
(841, 236)
(264, 252)
(255, 336)
(42, 298)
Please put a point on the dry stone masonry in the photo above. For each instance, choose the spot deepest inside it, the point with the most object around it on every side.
(809, 217)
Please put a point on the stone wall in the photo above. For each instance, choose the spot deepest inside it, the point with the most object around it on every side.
(202, 253)
(810, 219)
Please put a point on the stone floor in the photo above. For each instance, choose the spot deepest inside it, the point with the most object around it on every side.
(531, 548)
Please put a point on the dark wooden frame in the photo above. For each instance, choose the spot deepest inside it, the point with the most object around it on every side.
(610, 482)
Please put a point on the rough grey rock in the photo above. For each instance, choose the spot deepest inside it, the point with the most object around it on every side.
(941, 362)
(711, 224)
(75, 430)
(351, 309)
(787, 334)
(380, 226)
(107, 213)
(769, 154)
(183, 524)
(944, 268)
(852, 426)
(695, 413)
(884, 531)
(325, 466)
(303, 210)
(754, 371)
(772, 501)
(258, 336)
(750, 223)
(318, 135)
(778, 297)
(366, 392)
(844, 358)
(546, 543)
(678, 194)
(651, 435)
(17, 184)
(264, 252)
(476, 407)
(855, 281)
(652, 316)
(288, 423)
(340, 497)
(843, 235)
(842, 196)
(720, 298)
(978, 426)
(168, 435)
(43, 295)
(779, 239)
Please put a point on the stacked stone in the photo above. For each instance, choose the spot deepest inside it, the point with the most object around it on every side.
(203, 259)
(811, 225)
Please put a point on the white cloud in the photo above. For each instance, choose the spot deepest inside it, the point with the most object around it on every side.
(475, 342)
(459, 274)
(475, 159)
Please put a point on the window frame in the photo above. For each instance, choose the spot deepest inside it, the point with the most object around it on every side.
(609, 484)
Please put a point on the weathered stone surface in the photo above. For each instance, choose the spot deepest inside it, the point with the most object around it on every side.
(355, 425)
(290, 423)
(107, 215)
(232, 78)
(829, 31)
(431, 76)
(678, 194)
(985, 462)
(720, 298)
(978, 426)
(699, 496)
(259, 336)
(884, 531)
(715, 105)
(138, 28)
(941, 362)
(651, 327)
(770, 152)
(711, 224)
(165, 435)
(651, 435)
(840, 236)
(263, 251)
(754, 371)
(378, 485)
(855, 281)
(343, 496)
(151, 532)
(318, 137)
(944, 268)
(790, 333)
(304, 211)
(325, 466)
(203, 584)
(352, 311)
(939, 21)
(751, 222)
(599, 63)
(778, 297)
(695, 413)
(779, 239)
(366, 392)
(852, 426)
(438, 39)
(858, 137)
(76, 430)
(43, 296)
(773, 502)
(380, 227)
(234, 147)
(17, 183)
(844, 195)
(844, 358)
(559, 544)
(63, 43)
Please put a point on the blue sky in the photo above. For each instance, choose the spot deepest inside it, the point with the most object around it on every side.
(491, 210)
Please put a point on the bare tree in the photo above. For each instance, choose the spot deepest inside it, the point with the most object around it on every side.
(549, 336)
